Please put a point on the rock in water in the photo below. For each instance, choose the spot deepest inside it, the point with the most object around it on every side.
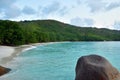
(94, 67)
(4, 70)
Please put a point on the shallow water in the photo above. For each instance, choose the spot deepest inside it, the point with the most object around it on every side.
(57, 61)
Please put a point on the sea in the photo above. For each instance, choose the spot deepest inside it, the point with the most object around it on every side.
(57, 61)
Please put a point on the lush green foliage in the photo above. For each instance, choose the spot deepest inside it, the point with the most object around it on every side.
(24, 32)
(10, 33)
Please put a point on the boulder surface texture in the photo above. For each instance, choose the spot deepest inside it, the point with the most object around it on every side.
(95, 67)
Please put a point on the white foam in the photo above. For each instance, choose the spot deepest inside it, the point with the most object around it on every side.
(29, 48)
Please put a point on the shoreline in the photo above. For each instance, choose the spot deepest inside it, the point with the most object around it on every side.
(10, 52)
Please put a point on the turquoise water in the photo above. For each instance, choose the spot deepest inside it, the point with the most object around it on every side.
(57, 61)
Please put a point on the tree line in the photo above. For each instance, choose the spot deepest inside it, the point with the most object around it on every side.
(24, 32)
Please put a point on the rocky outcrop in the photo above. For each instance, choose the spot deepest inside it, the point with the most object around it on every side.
(4, 70)
(94, 67)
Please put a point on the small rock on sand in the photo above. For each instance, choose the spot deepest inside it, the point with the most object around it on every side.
(4, 70)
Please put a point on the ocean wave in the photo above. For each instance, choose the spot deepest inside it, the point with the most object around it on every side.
(29, 48)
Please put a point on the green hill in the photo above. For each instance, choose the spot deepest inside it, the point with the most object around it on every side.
(24, 32)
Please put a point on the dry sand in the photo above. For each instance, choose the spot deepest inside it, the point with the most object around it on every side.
(6, 51)
(9, 54)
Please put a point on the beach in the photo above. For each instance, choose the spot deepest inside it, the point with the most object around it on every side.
(7, 53)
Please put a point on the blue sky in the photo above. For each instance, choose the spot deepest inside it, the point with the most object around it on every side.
(87, 13)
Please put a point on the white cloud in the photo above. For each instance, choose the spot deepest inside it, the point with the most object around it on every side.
(101, 5)
(8, 9)
(79, 2)
(64, 10)
(82, 22)
(112, 6)
(12, 12)
(28, 10)
(106, 19)
(6, 3)
(117, 25)
(95, 5)
(50, 8)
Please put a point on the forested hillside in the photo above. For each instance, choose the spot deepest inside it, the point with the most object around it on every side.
(25, 32)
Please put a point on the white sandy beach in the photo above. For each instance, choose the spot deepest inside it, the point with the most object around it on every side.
(7, 53)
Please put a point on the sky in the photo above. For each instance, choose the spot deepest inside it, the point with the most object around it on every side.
(84, 13)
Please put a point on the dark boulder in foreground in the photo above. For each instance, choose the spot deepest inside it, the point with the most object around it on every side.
(4, 70)
(94, 67)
